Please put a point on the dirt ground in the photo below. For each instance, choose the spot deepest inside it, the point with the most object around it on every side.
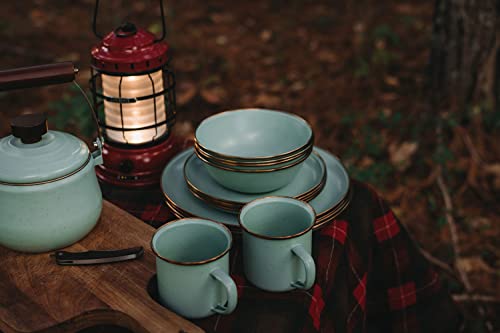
(356, 70)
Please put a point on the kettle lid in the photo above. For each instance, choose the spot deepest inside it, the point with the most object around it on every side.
(33, 154)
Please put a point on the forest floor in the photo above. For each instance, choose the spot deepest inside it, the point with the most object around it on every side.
(356, 70)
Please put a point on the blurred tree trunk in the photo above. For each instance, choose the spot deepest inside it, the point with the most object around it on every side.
(465, 58)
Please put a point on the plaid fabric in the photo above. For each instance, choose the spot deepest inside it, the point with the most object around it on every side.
(370, 276)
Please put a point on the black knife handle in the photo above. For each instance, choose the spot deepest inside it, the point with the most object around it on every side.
(97, 257)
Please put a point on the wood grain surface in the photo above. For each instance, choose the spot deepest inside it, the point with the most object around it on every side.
(37, 295)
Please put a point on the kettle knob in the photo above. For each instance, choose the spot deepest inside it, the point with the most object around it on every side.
(30, 127)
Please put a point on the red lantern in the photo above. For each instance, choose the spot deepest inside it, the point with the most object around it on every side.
(133, 90)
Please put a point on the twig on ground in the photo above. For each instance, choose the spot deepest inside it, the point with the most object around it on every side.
(456, 245)
(453, 230)
(475, 298)
(470, 146)
(441, 264)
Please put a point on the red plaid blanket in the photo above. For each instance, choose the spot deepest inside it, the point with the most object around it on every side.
(371, 277)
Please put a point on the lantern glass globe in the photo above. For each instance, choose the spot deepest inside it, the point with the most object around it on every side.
(134, 115)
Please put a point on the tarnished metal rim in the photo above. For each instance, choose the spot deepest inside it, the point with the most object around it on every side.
(50, 180)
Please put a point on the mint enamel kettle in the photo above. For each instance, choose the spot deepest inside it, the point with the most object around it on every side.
(49, 194)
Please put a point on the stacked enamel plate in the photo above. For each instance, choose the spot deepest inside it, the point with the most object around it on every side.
(243, 155)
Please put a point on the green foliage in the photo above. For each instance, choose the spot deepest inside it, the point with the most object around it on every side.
(431, 202)
(491, 119)
(442, 155)
(408, 20)
(155, 28)
(383, 57)
(371, 145)
(378, 55)
(362, 69)
(348, 119)
(386, 33)
(72, 111)
(392, 120)
(323, 22)
(441, 222)
(377, 173)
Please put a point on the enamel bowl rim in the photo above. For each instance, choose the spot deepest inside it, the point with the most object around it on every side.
(254, 158)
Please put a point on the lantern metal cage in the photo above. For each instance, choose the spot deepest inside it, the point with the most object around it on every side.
(169, 109)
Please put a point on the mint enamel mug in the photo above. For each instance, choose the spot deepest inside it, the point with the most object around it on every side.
(277, 242)
(192, 263)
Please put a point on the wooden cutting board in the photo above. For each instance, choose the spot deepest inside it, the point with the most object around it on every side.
(37, 295)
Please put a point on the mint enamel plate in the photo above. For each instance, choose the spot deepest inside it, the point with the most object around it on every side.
(308, 179)
(176, 190)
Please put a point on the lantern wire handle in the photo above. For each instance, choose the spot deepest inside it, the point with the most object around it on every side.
(94, 20)
(94, 115)
(163, 25)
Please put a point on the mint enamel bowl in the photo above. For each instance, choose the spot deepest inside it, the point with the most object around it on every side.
(253, 135)
(253, 150)
(254, 182)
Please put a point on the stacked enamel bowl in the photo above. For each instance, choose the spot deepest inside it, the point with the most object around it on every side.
(243, 155)
(253, 151)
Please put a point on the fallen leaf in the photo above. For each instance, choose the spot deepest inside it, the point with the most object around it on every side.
(380, 44)
(73, 56)
(400, 154)
(406, 9)
(261, 85)
(391, 81)
(276, 87)
(214, 95)
(250, 22)
(389, 97)
(473, 264)
(359, 27)
(38, 18)
(185, 91)
(387, 112)
(184, 129)
(266, 35)
(267, 100)
(139, 6)
(269, 61)
(297, 86)
(480, 222)
(493, 169)
(327, 56)
(365, 162)
(313, 45)
(221, 17)
(221, 40)
(187, 64)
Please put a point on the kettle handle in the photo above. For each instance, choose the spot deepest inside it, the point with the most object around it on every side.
(35, 76)
(48, 74)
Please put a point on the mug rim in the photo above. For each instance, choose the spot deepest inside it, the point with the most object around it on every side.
(306, 205)
(192, 263)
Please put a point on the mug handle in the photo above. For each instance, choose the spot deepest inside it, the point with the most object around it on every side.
(231, 292)
(309, 266)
